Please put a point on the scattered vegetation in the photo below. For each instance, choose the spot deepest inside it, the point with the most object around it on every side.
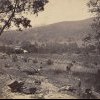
(35, 60)
(50, 62)
(58, 71)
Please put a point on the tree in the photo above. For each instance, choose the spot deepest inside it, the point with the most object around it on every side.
(12, 12)
(94, 7)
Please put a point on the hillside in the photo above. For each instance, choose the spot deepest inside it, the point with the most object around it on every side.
(59, 32)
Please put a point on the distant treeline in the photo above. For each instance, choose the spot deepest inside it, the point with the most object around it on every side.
(50, 48)
(57, 48)
(6, 49)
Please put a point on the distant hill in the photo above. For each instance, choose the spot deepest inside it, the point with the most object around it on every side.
(59, 32)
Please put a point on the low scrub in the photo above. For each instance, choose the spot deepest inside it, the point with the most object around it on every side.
(50, 62)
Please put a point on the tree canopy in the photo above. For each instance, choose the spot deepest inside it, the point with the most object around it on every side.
(12, 12)
(94, 8)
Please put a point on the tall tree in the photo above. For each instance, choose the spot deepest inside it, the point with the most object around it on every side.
(13, 12)
(94, 7)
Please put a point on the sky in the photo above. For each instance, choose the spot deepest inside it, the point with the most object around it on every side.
(62, 10)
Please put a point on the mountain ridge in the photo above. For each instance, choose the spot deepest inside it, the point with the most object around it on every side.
(56, 32)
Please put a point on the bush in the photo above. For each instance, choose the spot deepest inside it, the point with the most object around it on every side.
(58, 71)
(25, 59)
(14, 58)
(50, 62)
(7, 66)
(35, 61)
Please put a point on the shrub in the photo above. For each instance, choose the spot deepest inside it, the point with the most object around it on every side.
(58, 71)
(7, 66)
(35, 61)
(50, 62)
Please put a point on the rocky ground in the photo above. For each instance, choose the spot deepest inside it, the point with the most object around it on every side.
(48, 91)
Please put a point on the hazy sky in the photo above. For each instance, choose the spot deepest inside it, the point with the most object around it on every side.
(62, 10)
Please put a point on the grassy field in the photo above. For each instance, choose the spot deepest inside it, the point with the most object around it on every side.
(53, 75)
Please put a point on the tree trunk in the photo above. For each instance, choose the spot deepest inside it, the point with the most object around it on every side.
(1, 31)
